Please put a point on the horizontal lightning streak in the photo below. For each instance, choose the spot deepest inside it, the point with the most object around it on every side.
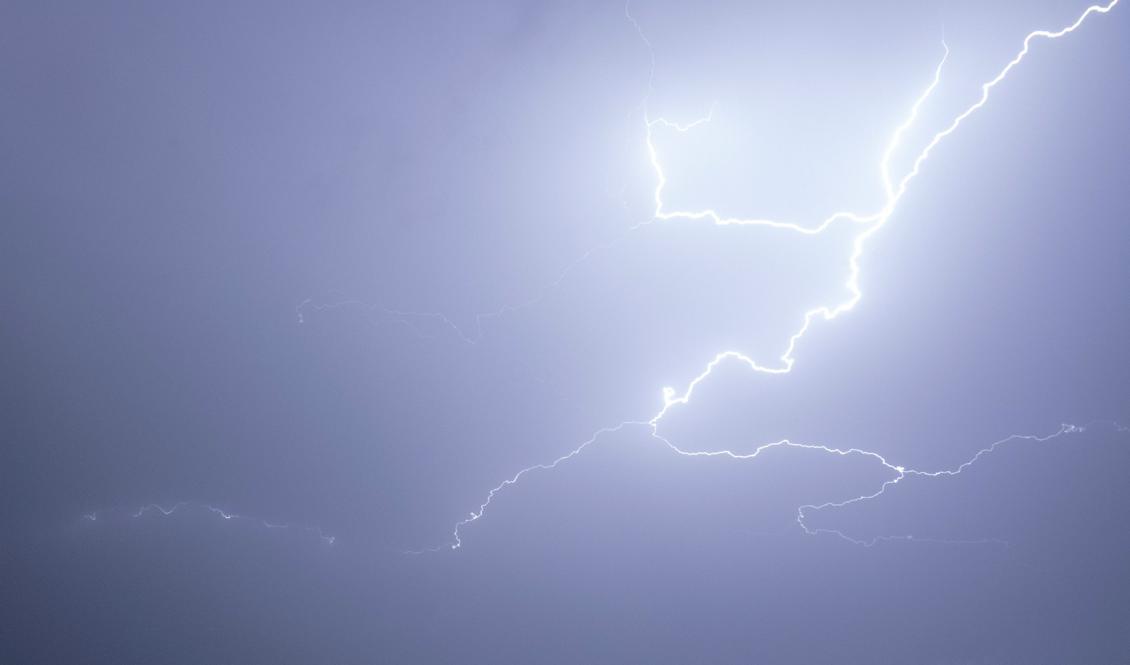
(871, 223)
(157, 509)
(902, 472)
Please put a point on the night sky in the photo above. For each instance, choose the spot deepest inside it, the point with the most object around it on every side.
(288, 288)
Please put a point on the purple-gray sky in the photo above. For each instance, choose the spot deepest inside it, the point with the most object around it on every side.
(289, 287)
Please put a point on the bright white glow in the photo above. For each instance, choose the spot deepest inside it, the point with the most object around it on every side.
(869, 224)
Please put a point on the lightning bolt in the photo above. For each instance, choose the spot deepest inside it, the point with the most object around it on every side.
(157, 509)
(869, 224)
(160, 509)
(903, 472)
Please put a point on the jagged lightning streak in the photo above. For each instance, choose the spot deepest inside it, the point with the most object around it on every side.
(903, 472)
(518, 476)
(157, 509)
(898, 474)
(871, 223)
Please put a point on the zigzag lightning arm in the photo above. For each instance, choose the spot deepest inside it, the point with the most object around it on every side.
(871, 223)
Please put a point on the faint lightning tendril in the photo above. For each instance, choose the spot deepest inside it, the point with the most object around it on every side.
(159, 510)
(870, 223)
